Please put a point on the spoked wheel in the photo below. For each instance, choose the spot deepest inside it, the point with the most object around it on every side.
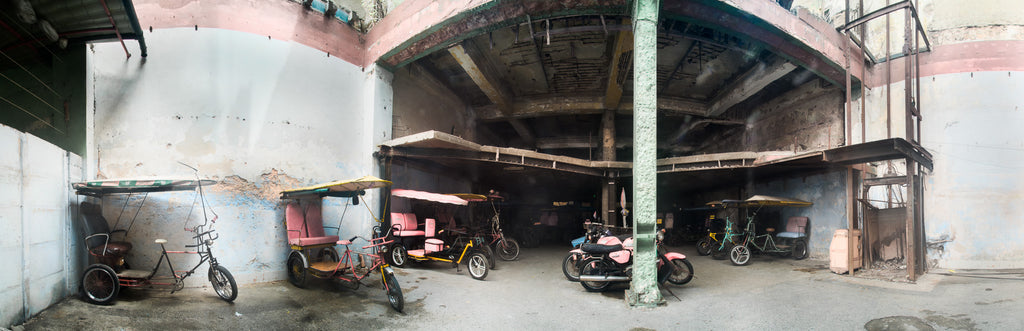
(297, 273)
(740, 255)
(508, 249)
(223, 283)
(683, 272)
(394, 292)
(398, 257)
(704, 246)
(570, 267)
(800, 249)
(99, 284)
(477, 265)
(594, 268)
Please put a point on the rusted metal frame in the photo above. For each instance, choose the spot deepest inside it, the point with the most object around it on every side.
(860, 43)
(540, 54)
(917, 80)
(613, 90)
(873, 15)
(851, 218)
(863, 87)
(668, 81)
(868, 257)
(116, 31)
(911, 228)
(880, 181)
(908, 87)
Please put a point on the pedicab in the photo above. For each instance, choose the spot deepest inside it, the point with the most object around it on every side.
(455, 247)
(313, 252)
(792, 242)
(506, 247)
(108, 271)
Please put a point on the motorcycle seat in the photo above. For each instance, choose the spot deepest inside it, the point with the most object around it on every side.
(600, 249)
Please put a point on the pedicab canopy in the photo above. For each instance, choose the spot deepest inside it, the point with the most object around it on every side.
(122, 186)
(341, 188)
(428, 196)
(759, 201)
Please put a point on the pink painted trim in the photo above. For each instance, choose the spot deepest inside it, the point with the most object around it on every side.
(995, 55)
(409, 19)
(278, 19)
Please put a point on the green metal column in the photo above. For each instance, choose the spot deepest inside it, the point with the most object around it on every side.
(644, 290)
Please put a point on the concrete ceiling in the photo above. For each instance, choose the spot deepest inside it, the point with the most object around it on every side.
(544, 84)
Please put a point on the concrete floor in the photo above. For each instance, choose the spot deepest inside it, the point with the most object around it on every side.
(531, 294)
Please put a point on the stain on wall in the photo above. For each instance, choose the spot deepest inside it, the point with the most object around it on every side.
(259, 115)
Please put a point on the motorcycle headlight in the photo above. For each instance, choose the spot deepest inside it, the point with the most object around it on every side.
(661, 235)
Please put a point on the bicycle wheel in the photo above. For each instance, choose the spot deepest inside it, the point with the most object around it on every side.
(740, 255)
(100, 284)
(477, 265)
(394, 292)
(223, 283)
(704, 246)
(297, 270)
(508, 249)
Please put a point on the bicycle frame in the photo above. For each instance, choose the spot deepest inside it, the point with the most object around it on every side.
(202, 249)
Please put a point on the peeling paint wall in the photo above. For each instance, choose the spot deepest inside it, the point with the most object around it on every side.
(828, 193)
(35, 207)
(260, 115)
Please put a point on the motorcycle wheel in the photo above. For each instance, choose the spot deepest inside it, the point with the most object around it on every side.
(739, 255)
(571, 268)
(683, 272)
(594, 267)
(508, 249)
(704, 246)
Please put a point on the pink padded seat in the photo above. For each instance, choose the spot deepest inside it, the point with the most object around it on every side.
(796, 227)
(308, 229)
(405, 225)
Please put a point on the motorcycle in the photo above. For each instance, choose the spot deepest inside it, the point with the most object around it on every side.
(614, 263)
(596, 233)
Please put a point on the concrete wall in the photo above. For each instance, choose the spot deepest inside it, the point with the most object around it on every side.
(261, 115)
(38, 247)
(808, 118)
(422, 104)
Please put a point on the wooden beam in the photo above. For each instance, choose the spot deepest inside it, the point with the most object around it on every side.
(470, 59)
(749, 84)
(617, 74)
(569, 142)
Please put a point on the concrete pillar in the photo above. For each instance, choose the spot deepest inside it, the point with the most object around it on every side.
(644, 287)
(608, 154)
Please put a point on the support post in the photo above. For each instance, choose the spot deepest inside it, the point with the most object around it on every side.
(851, 217)
(911, 233)
(644, 291)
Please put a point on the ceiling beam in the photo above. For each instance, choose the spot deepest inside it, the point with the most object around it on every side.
(748, 84)
(577, 142)
(584, 105)
(470, 59)
(617, 73)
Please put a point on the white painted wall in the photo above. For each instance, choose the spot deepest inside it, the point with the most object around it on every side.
(38, 246)
(260, 115)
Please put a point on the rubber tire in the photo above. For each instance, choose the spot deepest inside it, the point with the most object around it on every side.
(492, 263)
(477, 265)
(686, 267)
(398, 256)
(224, 278)
(297, 273)
(739, 255)
(100, 285)
(508, 249)
(589, 268)
(799, 249)
(394, 292)
(704, 246)
(570, 267)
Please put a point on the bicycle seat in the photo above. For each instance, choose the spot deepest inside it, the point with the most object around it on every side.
(600, 249)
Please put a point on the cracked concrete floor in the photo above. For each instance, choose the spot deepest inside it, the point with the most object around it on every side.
(531, 293)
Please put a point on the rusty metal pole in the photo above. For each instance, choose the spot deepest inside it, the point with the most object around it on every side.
(608, 154)
(644, 291)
